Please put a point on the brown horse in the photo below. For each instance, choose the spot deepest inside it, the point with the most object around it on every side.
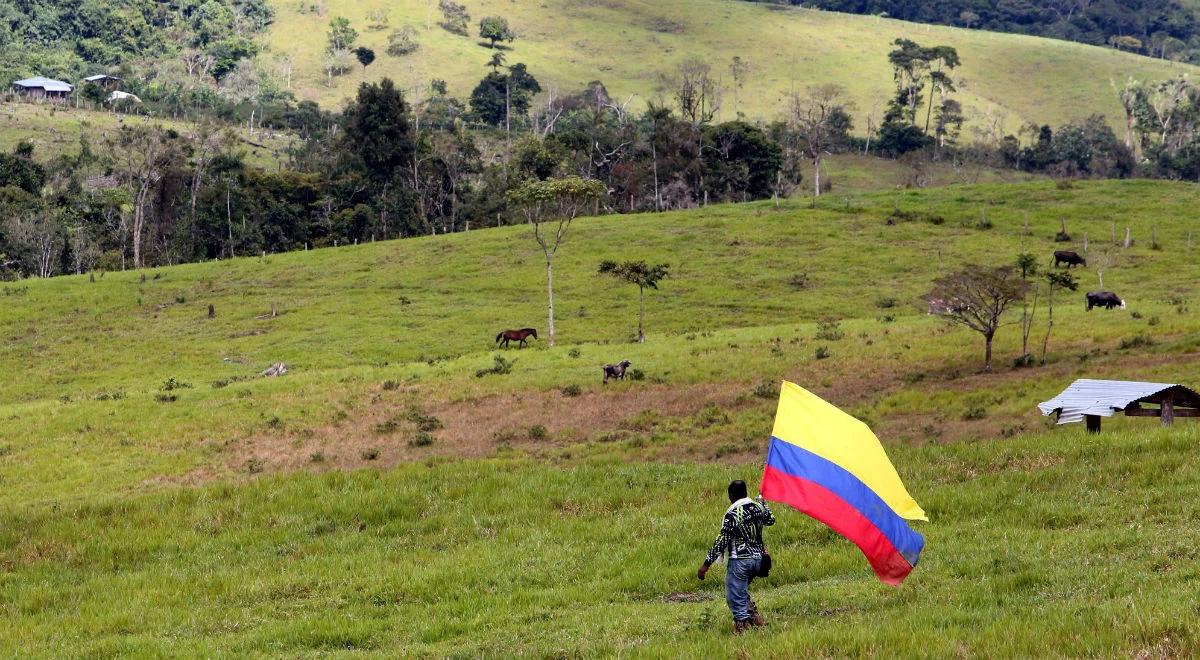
(515, 335)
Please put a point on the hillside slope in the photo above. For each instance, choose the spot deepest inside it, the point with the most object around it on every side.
(521, 507)
(627, 43)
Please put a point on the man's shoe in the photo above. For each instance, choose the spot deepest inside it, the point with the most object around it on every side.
(756, 619)
(740, 627)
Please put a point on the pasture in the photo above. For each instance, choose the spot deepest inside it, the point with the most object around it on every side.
(626, 44)
(392, 495)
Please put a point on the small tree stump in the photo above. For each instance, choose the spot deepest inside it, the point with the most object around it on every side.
(277, 369)
(212, 312)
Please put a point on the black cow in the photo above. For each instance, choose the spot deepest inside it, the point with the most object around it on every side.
(1069, 258)
(616, 371)
(1105, 299)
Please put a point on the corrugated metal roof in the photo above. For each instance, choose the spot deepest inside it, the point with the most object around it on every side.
(48, 84)
(1099, 397)
(100, 76)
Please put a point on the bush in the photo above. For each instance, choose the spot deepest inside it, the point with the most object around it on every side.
(316, 457)
(369, 454)
(386, 427)
(115, 395)
(1023, 361)
(766, 390)
(1135, 314)
(636, 374)
(422, 440)
(571, 390)
(1137, 341)
(822, 353)
(172, 384)
(974, 412)
(829, 329)
(389, 385)
(538, 432)
(798, 281)
(255, 465)
(885, 302)
(1154, 320)
(711, 415)
(402, 42)
(575, 353)
(500, 367)
(422, 421)
(163, 397)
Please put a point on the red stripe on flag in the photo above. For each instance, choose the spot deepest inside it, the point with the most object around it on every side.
(821, 503)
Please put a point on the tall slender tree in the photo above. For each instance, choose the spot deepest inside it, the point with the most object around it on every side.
(641, 274)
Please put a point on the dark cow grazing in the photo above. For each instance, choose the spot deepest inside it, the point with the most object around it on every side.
(1105, 299)
(1069, 258)
(616, 371)
(515, 335)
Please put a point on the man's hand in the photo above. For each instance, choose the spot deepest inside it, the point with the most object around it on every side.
(702, 571)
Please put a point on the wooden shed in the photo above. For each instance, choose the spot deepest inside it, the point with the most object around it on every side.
(1089, 400)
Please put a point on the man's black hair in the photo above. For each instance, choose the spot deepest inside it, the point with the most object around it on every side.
(737, 490)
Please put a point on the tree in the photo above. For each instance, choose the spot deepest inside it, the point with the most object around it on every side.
(142, 155)
(499, 97)
(821, 119)
(977, 297)
(377, 131)
(550, 206)
(402, 41)
(641, 274)
(341, 35)
(364, 56)
(740, 70)
(495, 29)
(1027, 265)
(454, 17)
(696, 92)
(1055, 280)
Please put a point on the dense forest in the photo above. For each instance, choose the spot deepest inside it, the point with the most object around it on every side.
(1159, 28)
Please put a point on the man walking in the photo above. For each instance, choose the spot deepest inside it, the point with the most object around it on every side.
(741, 541)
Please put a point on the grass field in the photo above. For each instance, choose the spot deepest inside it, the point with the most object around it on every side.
(161, 498)
(55, 130)
(627, 43)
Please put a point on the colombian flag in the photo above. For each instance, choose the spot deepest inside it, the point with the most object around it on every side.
(831, 466)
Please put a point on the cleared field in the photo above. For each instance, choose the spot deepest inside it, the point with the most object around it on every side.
(628, 43)
(160, 497)
(57, 130)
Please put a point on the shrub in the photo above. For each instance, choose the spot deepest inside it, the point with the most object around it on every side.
(255, 465)
(1135, 314)
(274, 422)
(115, 395)
(500, 366)
(885, 302)
(886, 318)
(822, 353)
(1154, 320)
(829, 329)
(163, 397)
(1062, 237)
(1023, 361)
(172, 384)
(636, 374)
(974, 412)
(571, 390)
(575, 353)
(402, 41)
(538, 432)
(798, 281)
(389, 385)
(316, 457)
(724, 450)
(422, 439)
(711, 415)
(766, 390)
(369, 454)
(422, 421)
(1137, 341)
(386, 426)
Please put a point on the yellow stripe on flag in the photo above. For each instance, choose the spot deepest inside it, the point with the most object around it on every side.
(809, 422)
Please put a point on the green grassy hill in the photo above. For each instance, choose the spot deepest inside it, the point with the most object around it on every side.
(627, 43)
(160, 495)
(56, 130)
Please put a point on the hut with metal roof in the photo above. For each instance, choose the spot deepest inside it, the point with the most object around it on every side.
(41, 87)
(103, 81)
(1089, 400)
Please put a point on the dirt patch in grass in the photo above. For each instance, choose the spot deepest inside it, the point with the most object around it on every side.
(532, 421)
